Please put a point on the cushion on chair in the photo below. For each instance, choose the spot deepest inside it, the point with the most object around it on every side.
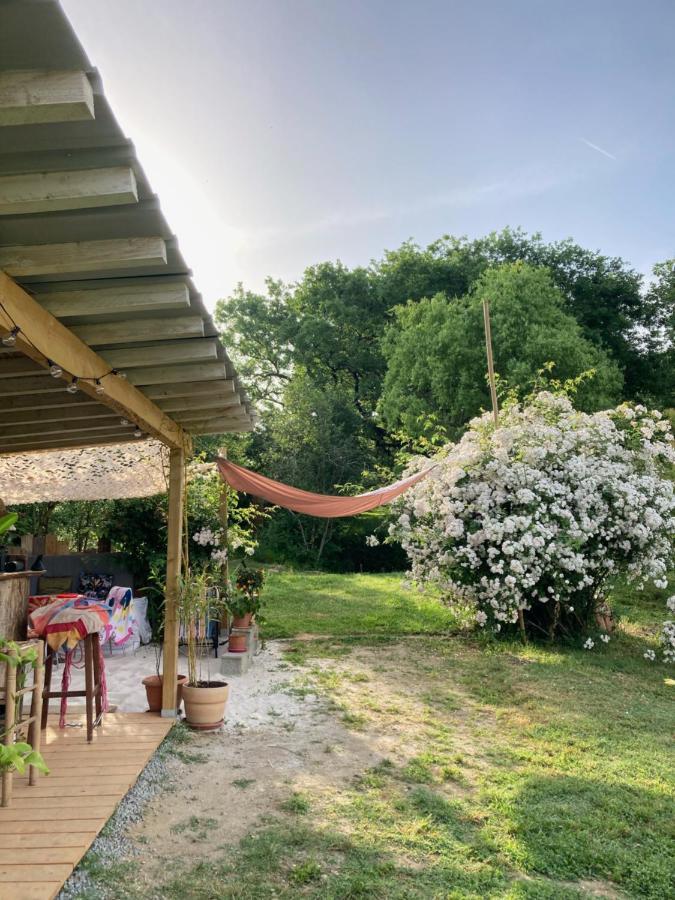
(95, 584)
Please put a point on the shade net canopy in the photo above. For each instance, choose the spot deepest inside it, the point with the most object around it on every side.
(321, 505)
(107, 472)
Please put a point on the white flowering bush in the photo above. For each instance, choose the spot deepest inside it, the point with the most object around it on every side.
(542, 512)
(203, 505)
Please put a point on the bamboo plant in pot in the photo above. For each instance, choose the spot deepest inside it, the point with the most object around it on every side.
(200, 604)
(153, 683)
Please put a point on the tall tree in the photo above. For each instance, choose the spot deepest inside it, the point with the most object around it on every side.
(436, 352)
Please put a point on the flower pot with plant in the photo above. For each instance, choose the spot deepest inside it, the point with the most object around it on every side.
(244, 604)
(199, 604)
(153, 683)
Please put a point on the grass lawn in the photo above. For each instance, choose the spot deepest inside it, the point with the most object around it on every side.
(502, 770)
(531, 772)
(342, 605)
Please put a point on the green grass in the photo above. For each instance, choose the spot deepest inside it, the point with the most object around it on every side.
(297, 602)
(523, 772)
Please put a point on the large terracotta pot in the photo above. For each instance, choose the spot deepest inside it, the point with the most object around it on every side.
(205, 704)
(242, 621)
(153, 691)
(236, 643)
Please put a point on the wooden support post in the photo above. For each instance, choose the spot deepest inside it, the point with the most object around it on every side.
(173, 571)
(490, 362)
(10, 710)
(223, 514)
(495, 415)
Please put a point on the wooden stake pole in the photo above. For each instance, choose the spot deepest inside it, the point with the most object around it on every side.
(490, 361)
(495, 413)
(173, 571)
(223, 514)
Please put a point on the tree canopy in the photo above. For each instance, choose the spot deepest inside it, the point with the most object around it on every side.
(435, 350)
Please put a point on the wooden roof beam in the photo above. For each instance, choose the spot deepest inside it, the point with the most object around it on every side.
(192, 389)
(74, 414)
(29, 97)
(140, 330)
(22, 261)
(125, 298)
(207, 371)
(49, 336)
(38, 192)
(66, 443)
(111, 423)
(162, 353)
(181, 405)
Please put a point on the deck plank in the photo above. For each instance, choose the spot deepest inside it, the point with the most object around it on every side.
(51, 825)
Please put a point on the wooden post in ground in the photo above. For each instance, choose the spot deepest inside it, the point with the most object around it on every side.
(490, 361)
(223, 514)
(495, 413)
(173, 571)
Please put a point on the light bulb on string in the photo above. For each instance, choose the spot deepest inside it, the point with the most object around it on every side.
(55, 369)
(124, 423)
(9, 340)
(98, 386)
(73, 387)
(138, 432)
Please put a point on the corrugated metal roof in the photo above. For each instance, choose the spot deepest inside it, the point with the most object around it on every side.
(36, 35)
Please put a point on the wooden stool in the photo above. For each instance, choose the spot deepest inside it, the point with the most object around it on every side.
(13, 710)
(92, 682)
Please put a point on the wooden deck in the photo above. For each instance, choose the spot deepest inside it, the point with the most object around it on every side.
(50, 826)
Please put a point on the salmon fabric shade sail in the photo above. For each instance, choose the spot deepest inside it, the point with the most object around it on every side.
(321, 505)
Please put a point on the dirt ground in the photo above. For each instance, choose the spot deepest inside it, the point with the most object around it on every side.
(224, 784)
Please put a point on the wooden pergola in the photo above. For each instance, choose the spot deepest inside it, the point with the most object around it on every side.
(106, 338)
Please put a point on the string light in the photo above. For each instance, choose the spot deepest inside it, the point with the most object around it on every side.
(9, 340)
(138, 432)
(124, 423)
(55, 370)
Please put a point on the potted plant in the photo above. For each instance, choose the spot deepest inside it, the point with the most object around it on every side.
(200, 604)
(244, 604)
(153, 683)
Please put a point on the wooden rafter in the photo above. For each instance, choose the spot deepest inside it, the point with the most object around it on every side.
(35, 97)
(49, 191)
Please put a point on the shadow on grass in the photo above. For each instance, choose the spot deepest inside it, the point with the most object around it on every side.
(567, 827)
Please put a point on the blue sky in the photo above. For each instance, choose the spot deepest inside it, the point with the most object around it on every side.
(280, 133)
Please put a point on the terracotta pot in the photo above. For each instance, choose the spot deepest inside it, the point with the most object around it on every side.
(153, 691)
(237, 643)
(205, 704)
(242, 621)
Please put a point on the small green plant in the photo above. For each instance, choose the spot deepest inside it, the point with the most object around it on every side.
(297, 803)
(16, 756)
(7, 522)
(243, 783)
(305, 872)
